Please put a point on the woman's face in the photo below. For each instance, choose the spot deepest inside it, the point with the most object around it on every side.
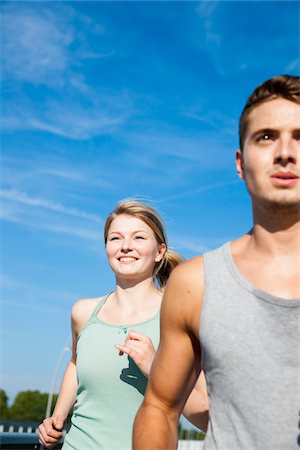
(132, 249)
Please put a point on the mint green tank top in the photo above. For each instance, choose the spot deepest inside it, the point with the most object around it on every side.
(110, 387)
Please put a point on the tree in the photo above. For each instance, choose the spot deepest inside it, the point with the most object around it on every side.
(3, 404)
(29, 405)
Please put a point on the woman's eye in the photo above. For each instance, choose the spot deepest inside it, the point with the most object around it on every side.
(115, 238)
(139, 237)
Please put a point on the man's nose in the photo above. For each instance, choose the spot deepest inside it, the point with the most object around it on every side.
(285, 151)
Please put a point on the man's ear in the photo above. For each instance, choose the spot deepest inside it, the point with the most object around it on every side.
(239, 164)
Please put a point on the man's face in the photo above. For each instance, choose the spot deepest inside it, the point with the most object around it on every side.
(270, 161)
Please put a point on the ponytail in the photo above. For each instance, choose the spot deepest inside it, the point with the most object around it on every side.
(170, 260)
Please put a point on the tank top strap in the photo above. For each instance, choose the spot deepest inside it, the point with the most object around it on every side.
(214, 260)
(93, 316)
(99, 304)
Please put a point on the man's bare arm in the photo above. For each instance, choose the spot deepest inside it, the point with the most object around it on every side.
(176, 366)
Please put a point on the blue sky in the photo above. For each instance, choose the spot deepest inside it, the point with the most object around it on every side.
(105, 100)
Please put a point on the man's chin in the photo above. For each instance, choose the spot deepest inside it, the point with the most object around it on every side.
(285, 204)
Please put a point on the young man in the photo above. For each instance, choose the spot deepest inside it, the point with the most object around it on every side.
(235, 312)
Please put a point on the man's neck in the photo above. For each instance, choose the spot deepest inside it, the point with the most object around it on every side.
(269, 255)
(276, 231)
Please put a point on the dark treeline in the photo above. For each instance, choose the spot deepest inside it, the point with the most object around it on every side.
(27, 406)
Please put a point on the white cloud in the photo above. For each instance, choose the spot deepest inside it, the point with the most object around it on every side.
(66, 174)
(22, 197)
(183, 150)
(46, 46)
(100, 114)
(206, 8)
(196, 245)
(35, 42)
(52, 224)
(53, 301)
(214, 119)
(192, 192)
(206, 11)
(40, 308)
(293, 65)
(38, 213)
(78, 124)
(54, 172)
(41, 43)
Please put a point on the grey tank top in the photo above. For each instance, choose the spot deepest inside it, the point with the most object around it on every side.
(251, 359)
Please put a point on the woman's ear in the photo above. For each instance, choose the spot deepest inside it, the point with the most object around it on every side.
(161, 252)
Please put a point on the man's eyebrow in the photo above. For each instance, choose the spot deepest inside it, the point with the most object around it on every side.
(264, 130)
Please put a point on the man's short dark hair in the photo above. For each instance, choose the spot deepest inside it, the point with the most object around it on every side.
(283, 86)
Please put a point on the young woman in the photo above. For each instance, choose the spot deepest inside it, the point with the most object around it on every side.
(107, 377)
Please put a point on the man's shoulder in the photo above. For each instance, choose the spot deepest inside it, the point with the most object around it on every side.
(187, 270)
(183, 297)
(191, 264)
(185, 285)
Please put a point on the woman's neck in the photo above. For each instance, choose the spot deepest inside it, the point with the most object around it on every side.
(136, 295)
(132, 302)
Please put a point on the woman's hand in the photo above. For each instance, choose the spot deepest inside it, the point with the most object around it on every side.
(140, 348)
(51, 431)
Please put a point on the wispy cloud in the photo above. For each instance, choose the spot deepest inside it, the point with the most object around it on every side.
(197, 245)
(100, 114)
(53, 301)
(73, 175)
(199, 149)
(39, 308)
(53, 171)
(41, 214)
(24, 198)
(215, 119)
(250, 51)
(293, 65)
(206, 11)
(54, 225)
(38, 42)
(199, 190)
(42, 47)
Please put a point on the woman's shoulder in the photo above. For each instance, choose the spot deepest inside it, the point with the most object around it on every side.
(83, 308)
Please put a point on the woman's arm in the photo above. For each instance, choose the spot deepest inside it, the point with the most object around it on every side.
(50, 430)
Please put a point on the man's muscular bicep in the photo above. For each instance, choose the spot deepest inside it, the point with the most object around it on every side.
(177, 363)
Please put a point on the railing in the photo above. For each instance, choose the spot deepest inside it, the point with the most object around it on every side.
(17, 429)
(20, 441)
(19, 438)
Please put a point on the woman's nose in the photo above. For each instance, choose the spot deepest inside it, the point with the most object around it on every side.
(126, 244)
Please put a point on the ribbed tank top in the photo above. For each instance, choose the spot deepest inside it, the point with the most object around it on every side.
(251, 358)
(110, 387)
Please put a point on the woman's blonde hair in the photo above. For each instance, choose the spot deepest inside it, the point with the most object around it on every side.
(152, 218)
